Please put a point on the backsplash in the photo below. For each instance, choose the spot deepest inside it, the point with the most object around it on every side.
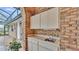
(48, 32)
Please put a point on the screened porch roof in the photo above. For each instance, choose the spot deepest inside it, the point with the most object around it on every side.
(8, 13)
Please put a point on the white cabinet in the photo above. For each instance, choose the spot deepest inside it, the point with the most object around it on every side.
(53, 18)
(48, 46)
(35, 47)
(35, 22)
(32, 44)
(44, 20)
(50, 19)
(35, 44)
(41, 48)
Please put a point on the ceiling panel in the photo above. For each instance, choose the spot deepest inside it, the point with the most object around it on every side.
(8, 13)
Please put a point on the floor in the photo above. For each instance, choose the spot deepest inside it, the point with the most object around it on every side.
(2, 44)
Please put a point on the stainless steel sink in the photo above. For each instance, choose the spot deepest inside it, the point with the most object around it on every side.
(52, 40)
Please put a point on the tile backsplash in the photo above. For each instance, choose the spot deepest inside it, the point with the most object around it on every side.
(48, 32)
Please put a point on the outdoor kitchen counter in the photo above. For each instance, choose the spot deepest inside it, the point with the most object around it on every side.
(43, 37)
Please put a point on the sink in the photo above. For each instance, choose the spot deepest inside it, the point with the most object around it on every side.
(52, 40)
(47, 38)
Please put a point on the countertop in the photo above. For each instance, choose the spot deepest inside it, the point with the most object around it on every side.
(43, 37)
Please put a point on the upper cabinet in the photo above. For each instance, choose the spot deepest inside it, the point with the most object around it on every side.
(53, 18)
(35, 22)
(46, 20)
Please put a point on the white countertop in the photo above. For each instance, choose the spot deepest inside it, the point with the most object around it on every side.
(43, 37)
(47, 36)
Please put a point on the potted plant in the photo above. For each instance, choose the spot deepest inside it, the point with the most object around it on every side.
(14, 45)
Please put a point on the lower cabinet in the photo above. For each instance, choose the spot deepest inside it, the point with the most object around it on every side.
(47, 46)
(39, 45)
(32, 44)
(34, 47)
(41, 48)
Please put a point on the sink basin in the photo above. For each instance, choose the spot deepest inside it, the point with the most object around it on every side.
(52, 40)
(47, 38)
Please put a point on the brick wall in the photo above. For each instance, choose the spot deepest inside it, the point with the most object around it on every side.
(69, 18)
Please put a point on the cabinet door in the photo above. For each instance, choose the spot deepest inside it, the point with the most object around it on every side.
(35, 47)
(35, 22)
(53, 21)
(41, 48)
(48, 46)
(30, 45)
(44, 19)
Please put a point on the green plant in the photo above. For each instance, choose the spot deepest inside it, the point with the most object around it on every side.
(14, 45)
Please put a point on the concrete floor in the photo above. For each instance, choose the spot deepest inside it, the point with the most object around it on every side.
(4, 43)
(3, 47)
